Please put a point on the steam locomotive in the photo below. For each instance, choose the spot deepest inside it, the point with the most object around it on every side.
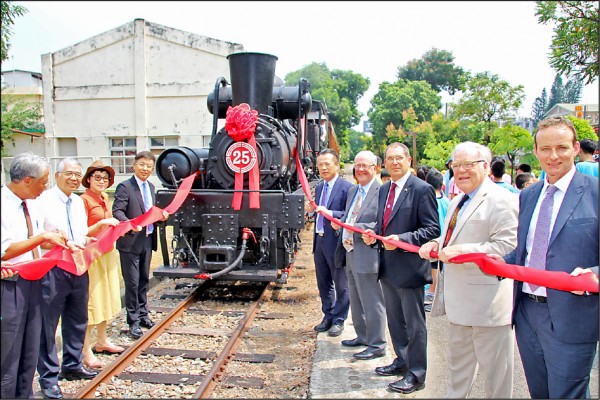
(211, 238)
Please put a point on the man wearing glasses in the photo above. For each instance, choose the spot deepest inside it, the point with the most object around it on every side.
(483, 219)
(133, 198)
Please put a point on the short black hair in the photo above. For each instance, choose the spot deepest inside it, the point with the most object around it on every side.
(524, 167)
(522, 179)
(588, 146)
(422, 171)
(435, 179)
(384, 173)
(498, 168)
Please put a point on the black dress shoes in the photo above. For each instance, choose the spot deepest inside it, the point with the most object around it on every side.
(392, 369)
(81, 373)
(135, 331)
(407, 385)
(369, 354)
(53, 392)
(352, 343)
(323, 326)
(146, 322)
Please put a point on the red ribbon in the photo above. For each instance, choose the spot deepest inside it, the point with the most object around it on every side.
(558, 280)
(240, 124)
(78, 262)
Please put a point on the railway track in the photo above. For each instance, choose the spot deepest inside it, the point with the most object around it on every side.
(158, 343)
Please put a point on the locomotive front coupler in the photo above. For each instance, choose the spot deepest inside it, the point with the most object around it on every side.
(246, 233)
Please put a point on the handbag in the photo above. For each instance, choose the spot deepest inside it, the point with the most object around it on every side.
(438, 307)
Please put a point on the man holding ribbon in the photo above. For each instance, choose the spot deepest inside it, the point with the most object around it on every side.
(557, 331)
(481, 219)
(366, 297)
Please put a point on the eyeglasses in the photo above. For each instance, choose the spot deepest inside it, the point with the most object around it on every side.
(363, 166)
(71, 174)
(147, 166)
(395, 159)
(100, 178)
(467, 165)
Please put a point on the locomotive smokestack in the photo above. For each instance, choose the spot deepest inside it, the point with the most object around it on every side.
(252, 76)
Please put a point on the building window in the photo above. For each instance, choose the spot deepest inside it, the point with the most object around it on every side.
(122, 153)
(160, 143)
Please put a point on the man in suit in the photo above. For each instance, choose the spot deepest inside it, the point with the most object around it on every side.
(366, 297)
(133, 198)
(332, 281)
(483, 219)
(557, 331)
(407, 211)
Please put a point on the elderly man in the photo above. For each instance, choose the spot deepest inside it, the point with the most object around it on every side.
(22, 234)
(478, 306)
(366, 297)
(407, 211)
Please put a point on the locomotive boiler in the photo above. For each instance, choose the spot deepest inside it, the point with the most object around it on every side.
(215, 235)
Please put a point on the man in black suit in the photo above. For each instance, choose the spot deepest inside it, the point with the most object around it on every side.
(133, 198)
(332, 280)
(407, 212)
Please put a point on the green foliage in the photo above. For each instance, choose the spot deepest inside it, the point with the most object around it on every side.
(556, 92)
(437, 68)
(339, 89)
(574, 48)
(583, 128)
(17, 114)
(572, 91)
(512, 141)
(8, 13)
(487, 98)
(436, 153)
(357, 141)
(540, 106)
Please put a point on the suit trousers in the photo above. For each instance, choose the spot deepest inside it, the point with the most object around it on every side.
(135, 268)
(553, 369)
(332, 283)
(366, 306)
(487, 349)
(65, 297)
(405, 309)
(21, 325)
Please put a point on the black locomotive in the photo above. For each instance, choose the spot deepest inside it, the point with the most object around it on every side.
(213, 240)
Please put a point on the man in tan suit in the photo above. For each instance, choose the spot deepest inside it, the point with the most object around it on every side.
(482, 219)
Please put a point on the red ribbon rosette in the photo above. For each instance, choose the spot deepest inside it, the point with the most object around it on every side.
(240, 124)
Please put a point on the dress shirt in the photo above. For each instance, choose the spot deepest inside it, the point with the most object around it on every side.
(562, 185)
(365, 190)
(329, 188)
(399, 186)
(14, 225)
(55, 200)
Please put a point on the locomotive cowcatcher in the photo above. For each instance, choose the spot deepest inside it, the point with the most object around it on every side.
(212, 238)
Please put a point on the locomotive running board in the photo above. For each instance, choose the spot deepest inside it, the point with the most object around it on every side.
(246, 274)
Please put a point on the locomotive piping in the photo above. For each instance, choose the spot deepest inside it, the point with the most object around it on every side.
(220, 81)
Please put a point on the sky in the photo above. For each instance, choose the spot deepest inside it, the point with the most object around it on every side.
(372, 38)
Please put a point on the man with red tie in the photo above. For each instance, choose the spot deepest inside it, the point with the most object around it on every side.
(407, 212)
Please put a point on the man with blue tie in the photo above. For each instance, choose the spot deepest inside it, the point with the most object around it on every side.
(557, 331)
(133, 198)
(332, 280)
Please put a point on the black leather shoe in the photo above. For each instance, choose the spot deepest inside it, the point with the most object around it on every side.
(135, 331)
(392, 369)
(146, 323)
(407, 385)
(336, 330)
(352, 343)
(53, 392)
(78, 374)
(369, 354)
(323, 326)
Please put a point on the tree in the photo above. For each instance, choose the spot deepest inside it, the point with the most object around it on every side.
(357, 142)
(437, 68)
(9, 13)
(575, 42)
(583, 128)
(488, 98)
(540, 106)
(556, 92)
(17, 114)
(572, 91)
(512, 141)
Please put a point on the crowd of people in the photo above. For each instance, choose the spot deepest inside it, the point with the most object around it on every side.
(35, 220)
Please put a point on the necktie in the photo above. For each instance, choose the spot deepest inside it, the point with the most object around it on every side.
(147, 204)
(348, 240)
(323, 202)
(389, 206)
(69, 200)
(452, 223)
(539, 249)
(36, 251)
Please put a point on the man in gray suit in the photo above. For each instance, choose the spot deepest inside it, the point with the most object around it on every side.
(366, 297)
(483, 219)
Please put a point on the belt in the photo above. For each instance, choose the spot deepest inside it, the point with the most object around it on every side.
(320, 234)
(537, 299)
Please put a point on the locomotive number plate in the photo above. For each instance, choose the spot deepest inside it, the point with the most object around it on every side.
(240, 157)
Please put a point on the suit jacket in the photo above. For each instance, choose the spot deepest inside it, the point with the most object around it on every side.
(366, 258)
(573, 243)
(129, 204)
(414, 219)
(488, 224)
(336, 203)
